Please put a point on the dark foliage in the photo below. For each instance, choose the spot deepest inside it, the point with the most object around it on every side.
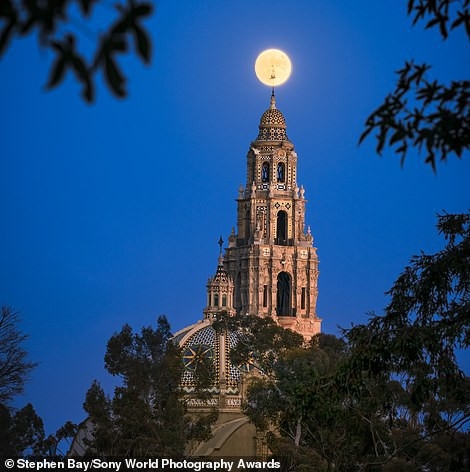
(21, 434)
(146, 416)
(425, 323)
(260, 340)
(15, 367)
(421, 112)
(53, 21)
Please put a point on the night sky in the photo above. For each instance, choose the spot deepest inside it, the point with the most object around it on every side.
(111, 213)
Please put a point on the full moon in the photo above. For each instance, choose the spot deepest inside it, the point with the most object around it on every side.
(273, 67)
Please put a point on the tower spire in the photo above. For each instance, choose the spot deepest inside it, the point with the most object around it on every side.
(273, 100)
(220, 243)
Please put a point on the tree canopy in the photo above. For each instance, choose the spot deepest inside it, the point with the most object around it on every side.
(21, 433)
(146, 416)
(415, 344)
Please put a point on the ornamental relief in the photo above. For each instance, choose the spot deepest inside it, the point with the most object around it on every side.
(219, 290)
(233, 402)
(281, 205)
(196, 402)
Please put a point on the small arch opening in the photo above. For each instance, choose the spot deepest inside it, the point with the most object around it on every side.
(265, 172)
(281, 172)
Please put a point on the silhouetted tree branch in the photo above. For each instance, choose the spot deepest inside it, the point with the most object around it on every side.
(421, 112)
(14, 364)
(53, 21)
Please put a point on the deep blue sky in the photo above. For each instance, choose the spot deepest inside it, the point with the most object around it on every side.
(111, 213)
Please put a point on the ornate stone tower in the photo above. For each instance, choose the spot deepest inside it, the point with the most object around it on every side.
(219, 291)
(271, 258)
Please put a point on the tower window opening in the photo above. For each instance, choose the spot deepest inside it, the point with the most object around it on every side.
(247, 225)
(224, 300)
(238, 293)
(216, 299)
(281, 172)
(281, 230)
(265, 296)
(265, 172)
(302, 299)
(210, 299)
(284, 287)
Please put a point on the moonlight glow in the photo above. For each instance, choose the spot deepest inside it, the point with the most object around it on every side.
(273, 67)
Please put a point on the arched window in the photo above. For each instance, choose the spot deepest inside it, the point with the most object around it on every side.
(281, 172)
(247, 225)
(238, 293)
(281, 228)
(216, 299)
(224, 300)
(284, 294)
(265, 172)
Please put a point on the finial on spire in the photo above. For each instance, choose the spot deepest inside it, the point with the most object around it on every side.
(273, 101)
(220, 243)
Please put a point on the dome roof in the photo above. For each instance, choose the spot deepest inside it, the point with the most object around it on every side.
(272, 117)
(272, 126)
(201, 340)
(221, 276)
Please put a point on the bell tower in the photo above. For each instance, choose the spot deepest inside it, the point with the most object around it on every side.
(271, 258)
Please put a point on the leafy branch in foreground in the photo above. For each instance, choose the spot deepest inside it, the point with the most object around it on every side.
(446, 15)
(423, 113)
(54, 23)
(260, 341)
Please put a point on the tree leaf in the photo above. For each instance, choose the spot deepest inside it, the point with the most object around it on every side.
(143, 9)
(143, 44)
(87, 6)
(57, 72)
(114, 77)
(6, 35)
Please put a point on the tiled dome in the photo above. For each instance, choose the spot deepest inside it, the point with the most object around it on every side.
(272, 117)
(201, 340)
(272, 126)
